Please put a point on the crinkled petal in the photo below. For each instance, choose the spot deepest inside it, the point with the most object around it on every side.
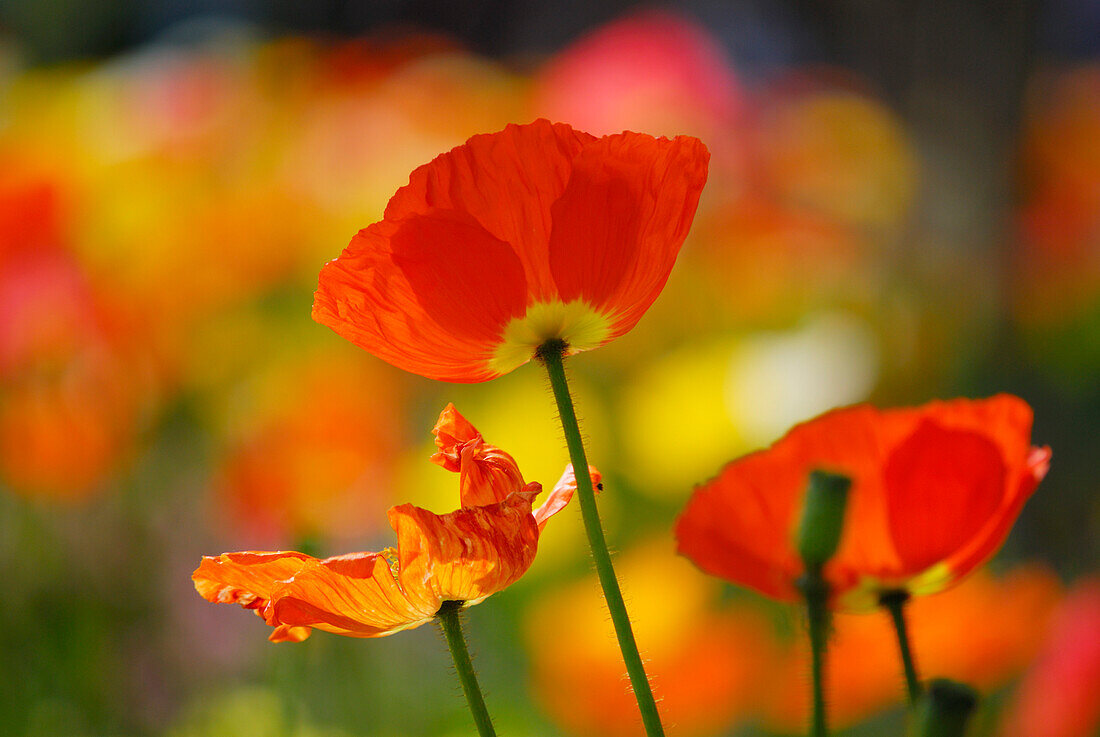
(619, 224)
(355, 594)
(250, 579)
(507, 182)
(429, 293)
(468, 554)
(487, 474)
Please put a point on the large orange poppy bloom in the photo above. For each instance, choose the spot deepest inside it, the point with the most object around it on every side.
(935, 490)
(534, 233)
(466, 555)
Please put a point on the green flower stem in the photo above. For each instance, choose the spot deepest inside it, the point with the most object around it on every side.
(816, 591)
(456, 641)
(551, 354)
(893, 602)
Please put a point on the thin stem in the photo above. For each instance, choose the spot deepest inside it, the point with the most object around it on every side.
(816, 591)
(552, 356)
(456, 641)
(893, 602)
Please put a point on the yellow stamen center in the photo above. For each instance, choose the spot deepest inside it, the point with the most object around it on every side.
(865, 596)
(576, 323)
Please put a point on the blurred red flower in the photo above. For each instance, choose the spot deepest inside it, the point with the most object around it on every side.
(935, 490)
(1060, 696)
(534, 233)
(311, 454)
(71, 390)
(466, 555)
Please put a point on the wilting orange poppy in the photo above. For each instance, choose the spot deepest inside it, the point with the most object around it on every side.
(466, 555)
(534, 233)
(935, 490)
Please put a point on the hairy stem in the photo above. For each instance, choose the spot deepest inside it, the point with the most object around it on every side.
(456, 640)
(552, 356)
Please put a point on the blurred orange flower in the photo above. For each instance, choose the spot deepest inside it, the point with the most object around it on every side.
(1060, 696)
(310, 452)
(704, 662)
(982, 632)
(534, 233)
(71, 389)
(935, 490)
(466, 555)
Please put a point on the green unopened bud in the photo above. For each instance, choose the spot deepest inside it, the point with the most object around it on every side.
(944, 709)
(822, 517)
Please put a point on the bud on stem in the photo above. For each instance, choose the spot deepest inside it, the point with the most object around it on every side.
(822, 518)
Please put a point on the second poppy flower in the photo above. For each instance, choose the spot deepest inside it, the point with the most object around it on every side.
(935, 490)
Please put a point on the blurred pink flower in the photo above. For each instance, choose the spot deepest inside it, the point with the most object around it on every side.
(1060, 695)
(654, 71)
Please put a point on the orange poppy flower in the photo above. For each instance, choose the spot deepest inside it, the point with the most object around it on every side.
(466, 555)
(534, 233)
(935, 490)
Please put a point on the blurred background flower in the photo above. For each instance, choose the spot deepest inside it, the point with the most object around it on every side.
(885, 220)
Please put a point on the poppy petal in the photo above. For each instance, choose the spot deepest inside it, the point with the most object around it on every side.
(735, 528)
(942, 486)
(355, 594)
(430, 293)
(619, 224)
(468, 554)
(487, 474)
(986, 542)
(507, 182)
(563, 491)
(251, 580)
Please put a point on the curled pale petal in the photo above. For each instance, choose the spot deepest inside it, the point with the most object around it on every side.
(289, 633)
(487, 474)
(452, 431)
(250, 579)
(561, 494)
(355, 594)
(468, 554)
